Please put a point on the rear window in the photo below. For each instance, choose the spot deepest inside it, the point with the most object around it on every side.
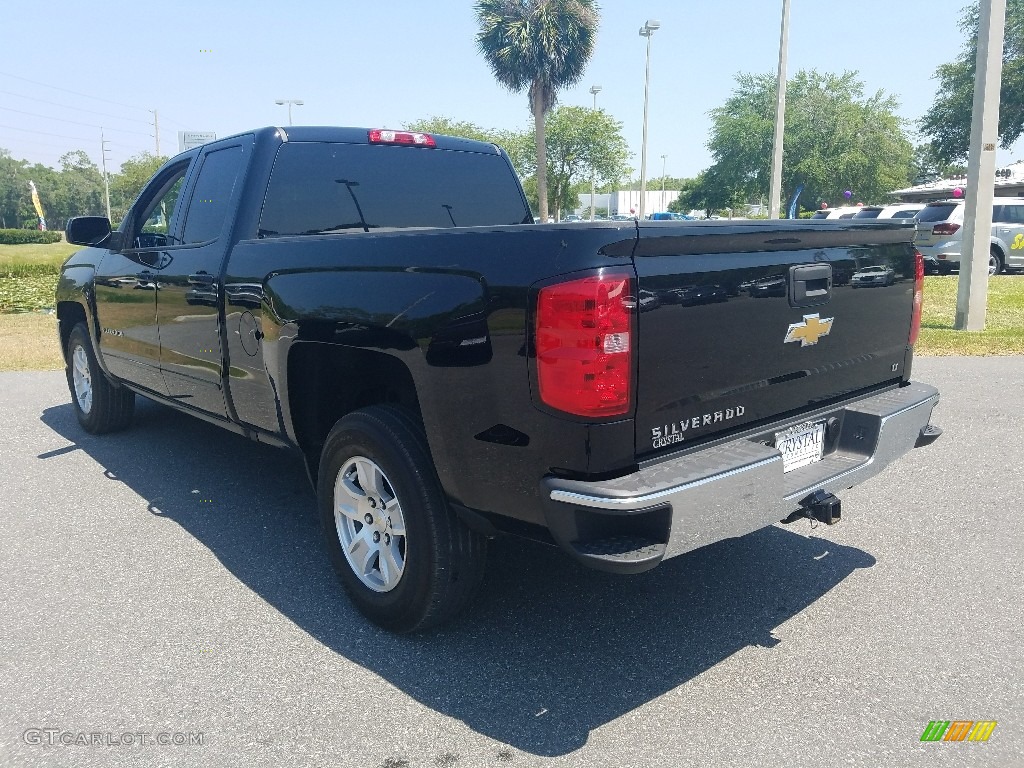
(907, 214)
(868, 213)
(318, 188)
(936, 212)
(821, 215)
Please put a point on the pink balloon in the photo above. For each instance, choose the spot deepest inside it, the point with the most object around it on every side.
(957, 192)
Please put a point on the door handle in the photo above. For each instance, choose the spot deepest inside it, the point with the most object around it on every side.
(810, 284)
(201, 278)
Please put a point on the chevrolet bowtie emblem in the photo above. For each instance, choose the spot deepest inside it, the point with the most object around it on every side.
(809, 331)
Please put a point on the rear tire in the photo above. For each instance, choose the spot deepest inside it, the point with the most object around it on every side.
(405, 559)
(995, 261)
(100, 405)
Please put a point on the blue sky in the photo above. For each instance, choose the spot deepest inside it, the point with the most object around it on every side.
(209, 66)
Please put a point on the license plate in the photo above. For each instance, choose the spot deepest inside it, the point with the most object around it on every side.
(801, 445)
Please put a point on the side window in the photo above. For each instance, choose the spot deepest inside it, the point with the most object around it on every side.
(1014, 214)
(208, 207)
(153, 224)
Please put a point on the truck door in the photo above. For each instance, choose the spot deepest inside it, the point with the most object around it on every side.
(189, 311)
(127, 283)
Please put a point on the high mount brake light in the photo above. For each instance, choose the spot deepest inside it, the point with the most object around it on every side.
(409, 138)
(584, 344)
(945, 229)
(915, 317)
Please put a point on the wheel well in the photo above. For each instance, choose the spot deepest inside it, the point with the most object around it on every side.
(327, 381)
(69, 314)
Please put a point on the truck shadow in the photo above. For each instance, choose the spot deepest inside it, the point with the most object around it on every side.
(550, 650)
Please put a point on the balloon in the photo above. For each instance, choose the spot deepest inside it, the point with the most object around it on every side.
(847, 194)
(824, 206)
(957, 192)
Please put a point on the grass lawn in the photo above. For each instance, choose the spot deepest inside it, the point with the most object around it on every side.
(1004, 325)
(28, 275)
(28, 342)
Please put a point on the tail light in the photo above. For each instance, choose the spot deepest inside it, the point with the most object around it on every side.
(410, 138)
(915, 318)
(584, 344)
(945, 228)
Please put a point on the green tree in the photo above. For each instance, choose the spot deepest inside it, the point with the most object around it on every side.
(836, 139)
(13, 188)
(948, 122)
(79, 190)
(541, 45)
(926, 166)
(707, 192)
(518, 144)
(126, 184)
(582, 143)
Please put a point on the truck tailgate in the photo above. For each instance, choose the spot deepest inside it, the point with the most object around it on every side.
(725, 339)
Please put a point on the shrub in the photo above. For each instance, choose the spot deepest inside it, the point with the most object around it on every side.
(26, 236)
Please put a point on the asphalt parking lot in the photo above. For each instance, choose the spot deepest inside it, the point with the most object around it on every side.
(169, 582)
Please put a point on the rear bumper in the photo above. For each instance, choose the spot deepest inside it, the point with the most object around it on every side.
(629, 524)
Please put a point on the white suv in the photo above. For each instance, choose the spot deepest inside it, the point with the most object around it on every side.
(940, 234)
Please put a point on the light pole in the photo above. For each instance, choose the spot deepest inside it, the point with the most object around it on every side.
(663, 182)
(594, 90)
(289, 102)
(646, 30)
(775, 195)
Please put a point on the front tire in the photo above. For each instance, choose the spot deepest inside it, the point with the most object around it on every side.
(99, 405)
(405, 559)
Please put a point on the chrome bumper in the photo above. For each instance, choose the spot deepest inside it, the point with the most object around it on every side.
(729, 489)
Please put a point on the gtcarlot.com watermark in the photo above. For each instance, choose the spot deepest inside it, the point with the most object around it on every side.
(58, 737)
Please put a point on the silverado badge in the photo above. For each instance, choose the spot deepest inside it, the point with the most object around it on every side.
(809, 331)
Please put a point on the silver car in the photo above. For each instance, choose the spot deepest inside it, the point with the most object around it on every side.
(940, 234)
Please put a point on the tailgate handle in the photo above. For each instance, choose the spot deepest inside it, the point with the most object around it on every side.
(810, 285)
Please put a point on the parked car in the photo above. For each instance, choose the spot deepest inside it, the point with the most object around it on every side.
(895, 211)
(940, 235)
(868, 276)
(774, 285)
(669, 216)
(846, 212)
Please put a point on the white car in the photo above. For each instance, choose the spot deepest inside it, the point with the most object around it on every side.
(846, 212)
(868, 276)
(895, 211)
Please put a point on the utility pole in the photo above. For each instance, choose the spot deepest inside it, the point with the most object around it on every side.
(663, 182)
(972, 290)
(156, 130)
(775, 196)
(106, 178)
(594, 90)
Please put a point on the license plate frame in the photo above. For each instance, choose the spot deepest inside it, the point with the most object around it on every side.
(801, 445)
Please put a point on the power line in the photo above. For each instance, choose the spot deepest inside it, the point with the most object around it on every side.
(62, 136)
(76, 109)
(75, 122)
(76, 93)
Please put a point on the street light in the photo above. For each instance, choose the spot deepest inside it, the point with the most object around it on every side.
(594, 90)
(646, 30)
(289, 102)
(663, 181)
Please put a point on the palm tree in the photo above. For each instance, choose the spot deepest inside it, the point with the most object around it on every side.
(540, 44)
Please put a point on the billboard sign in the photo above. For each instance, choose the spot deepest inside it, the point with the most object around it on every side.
(190, 139)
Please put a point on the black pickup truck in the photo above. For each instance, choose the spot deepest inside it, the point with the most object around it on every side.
(381, 302)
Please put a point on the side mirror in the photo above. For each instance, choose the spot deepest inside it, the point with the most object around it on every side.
(87, 230)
